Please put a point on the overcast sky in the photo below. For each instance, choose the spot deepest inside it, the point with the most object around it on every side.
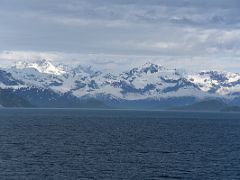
(191, 34)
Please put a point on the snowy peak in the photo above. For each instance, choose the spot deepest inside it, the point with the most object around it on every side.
(86, 70)
(215, 77)
(151, 68)
(152, 71)
(42, 66)
(143, 82)
(219, 82)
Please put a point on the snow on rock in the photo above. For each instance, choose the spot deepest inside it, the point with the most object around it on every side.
(42, 66)
(143, 82)
(219, 82)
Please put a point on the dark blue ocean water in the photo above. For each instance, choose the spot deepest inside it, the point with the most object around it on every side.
(95, 144)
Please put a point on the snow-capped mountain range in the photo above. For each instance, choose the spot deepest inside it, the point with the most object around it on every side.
(43, 83)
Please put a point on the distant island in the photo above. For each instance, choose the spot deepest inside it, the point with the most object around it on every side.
(208, 105)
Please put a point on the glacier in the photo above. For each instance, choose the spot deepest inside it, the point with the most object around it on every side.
(47, 84)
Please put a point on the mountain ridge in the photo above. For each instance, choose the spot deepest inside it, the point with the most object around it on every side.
(143, 84)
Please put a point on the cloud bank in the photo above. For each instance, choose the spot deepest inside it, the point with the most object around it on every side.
(196, 34)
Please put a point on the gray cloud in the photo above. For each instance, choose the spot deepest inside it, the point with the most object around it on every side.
(169, 28)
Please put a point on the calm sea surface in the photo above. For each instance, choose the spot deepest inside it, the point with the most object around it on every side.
(96, 144)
